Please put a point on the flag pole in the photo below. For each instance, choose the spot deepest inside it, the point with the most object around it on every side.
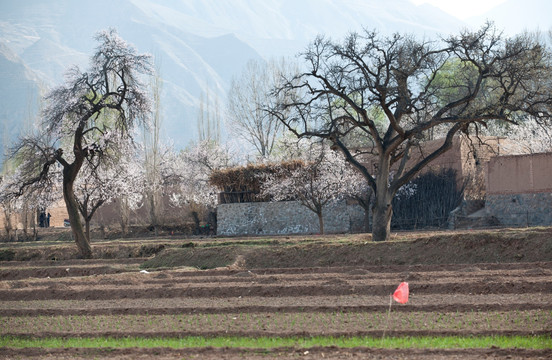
(388, 315)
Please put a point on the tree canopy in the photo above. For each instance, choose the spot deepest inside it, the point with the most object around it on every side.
(456, 84)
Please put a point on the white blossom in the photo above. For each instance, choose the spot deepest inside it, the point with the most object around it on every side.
(192, 169)
(323, 176)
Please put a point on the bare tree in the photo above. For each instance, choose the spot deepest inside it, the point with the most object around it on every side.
(7, 207)
(74, 113)
(501, 79)
(208, 123)
(153, 154)
(247, 97)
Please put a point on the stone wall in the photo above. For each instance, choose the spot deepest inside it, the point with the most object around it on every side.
(529, 209)
(286, 217)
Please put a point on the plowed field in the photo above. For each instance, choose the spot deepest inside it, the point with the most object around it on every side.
(99, 298)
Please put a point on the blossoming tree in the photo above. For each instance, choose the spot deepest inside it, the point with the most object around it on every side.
(111, 87)
(324, 176)
(190, 178)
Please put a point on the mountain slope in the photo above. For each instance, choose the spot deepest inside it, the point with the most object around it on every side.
(199, 45)
(59, 36)
(19, 93)
(515, 16)
(283, 27)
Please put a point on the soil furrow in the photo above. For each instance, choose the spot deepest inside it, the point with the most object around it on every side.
(527, 321)
(451, 300)
(20, 270)
(371, 333)
(275, 309)
(276, 353)
(133, 281)
(238, 278)
(509, 287)
(78, 262)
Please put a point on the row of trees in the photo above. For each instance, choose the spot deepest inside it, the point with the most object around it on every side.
(366, 96)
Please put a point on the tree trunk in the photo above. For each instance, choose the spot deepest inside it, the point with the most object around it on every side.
(7, 222)
(195, 216)
(124, 219)
(382, 209)
(320, 222)
(87, 228)
(25, 219)
(74, 218)
(367, 216)
(33, 224)
(124, 227)
(381, 221)
(153, 212)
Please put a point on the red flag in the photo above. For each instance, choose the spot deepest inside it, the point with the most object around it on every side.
(401, 294)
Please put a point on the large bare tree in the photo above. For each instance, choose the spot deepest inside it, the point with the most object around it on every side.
(392, 91)
(75, 114)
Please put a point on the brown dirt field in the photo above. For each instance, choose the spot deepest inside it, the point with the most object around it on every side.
(111, 297)
(510, 300)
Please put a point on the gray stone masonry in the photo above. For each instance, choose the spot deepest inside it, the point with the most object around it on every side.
(284, 218)
(529, 209)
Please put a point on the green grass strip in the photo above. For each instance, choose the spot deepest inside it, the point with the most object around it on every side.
(424, 342)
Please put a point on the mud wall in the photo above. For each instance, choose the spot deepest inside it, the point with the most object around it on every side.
(520, 174)
(519, 189)
(467, 157)
(57, 211)
(59, 214)
(286, 217)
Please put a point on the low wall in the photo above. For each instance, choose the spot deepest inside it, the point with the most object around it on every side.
(285, 217)
(519, 190)
(530, 209)
(57, 211)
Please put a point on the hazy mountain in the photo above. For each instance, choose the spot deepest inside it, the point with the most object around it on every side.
(51, 59)
(199, 45)
(515, 16)
(19, 92)
(283, 27)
